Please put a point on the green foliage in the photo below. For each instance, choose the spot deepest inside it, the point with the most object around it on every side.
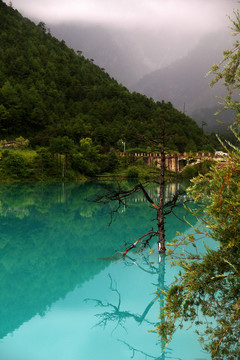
(3, 143)
(190, 147)
(191, 171)
(132, 173)
(137, 150)
(120, 145)
(209, 283)
(15, 165)
(22, 143)
(61, 145)
(228, 71)
(89, 150)
(44, 164)
(84, 166)
(112, 161)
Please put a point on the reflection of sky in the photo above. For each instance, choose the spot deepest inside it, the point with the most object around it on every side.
(67, 331)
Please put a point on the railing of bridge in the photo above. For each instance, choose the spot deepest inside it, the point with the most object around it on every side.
(173, 155)
(174, 161)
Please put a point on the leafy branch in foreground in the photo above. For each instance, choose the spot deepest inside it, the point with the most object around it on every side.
(228, 70)
(209, 285)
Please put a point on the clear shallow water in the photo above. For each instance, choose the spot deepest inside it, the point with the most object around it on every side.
(60, 299)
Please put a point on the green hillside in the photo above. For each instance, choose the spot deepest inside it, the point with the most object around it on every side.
(48, 93)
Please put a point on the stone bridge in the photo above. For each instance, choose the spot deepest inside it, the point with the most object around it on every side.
(174, 162)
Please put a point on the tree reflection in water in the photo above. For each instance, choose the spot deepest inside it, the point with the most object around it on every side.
(115, 313)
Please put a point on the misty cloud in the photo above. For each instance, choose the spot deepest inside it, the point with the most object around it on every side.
(181, 15)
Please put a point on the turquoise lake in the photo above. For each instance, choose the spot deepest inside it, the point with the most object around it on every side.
(62, 297)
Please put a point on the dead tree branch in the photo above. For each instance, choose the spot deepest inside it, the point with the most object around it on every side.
(147, 237)
(120, 195)
(162, 209)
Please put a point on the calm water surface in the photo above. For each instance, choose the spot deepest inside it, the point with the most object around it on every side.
(61, 298)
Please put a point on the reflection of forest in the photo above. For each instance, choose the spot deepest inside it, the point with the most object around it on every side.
(171, 188)
(50, 240)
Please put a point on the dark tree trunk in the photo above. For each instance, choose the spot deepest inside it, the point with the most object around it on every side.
(162, 208)
(160, 212)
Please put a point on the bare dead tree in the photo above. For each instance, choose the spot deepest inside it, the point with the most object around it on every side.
(160, 211)
(120, 195)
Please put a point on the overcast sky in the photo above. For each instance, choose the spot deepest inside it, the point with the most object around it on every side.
(184, 15)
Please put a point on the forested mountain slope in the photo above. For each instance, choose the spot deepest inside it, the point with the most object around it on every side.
(47, 90)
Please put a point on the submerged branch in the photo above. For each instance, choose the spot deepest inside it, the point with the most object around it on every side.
(149, 235)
